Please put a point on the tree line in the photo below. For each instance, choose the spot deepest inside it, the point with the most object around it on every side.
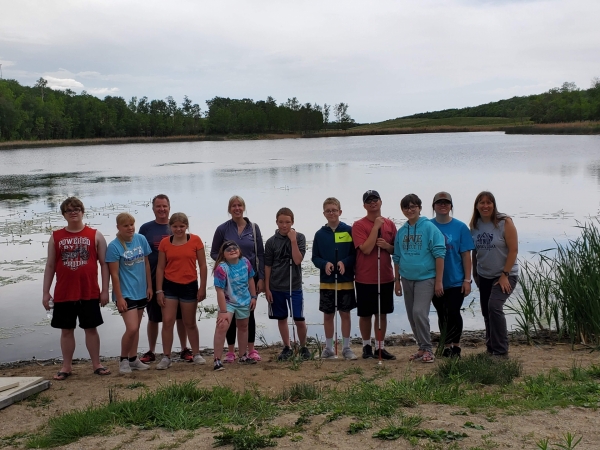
(39, 112)
(566, 103)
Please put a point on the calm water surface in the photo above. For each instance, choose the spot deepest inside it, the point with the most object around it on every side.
(546, 183)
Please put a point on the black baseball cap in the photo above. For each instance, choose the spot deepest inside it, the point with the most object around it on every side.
(371, 193)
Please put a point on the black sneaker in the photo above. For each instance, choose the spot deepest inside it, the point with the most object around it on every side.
(305, 353)
(218, 365)
(285, 354)
(148, 357)
(367, 352)
(384, 354)
(455, 352)
(447, 353)
(245, 360)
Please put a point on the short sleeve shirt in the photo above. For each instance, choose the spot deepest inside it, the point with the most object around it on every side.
(181, 259)
(233, 279)
(366, 265)
(154, 233)
(132, 266)
(458, 240)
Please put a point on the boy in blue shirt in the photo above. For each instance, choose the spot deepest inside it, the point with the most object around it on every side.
(334, 254)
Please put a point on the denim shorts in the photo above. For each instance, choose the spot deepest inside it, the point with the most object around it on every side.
(186, 293)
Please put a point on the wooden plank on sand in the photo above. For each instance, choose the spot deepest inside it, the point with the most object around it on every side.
(24, 393)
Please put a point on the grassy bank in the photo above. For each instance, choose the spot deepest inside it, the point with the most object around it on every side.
(372, 401)
(395, 126)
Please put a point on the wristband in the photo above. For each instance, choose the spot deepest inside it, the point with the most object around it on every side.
(222, 312)
(253, 297)
(467, 281)
(160, 291)
(506, 273)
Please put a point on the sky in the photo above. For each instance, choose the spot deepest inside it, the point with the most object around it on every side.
(385, 59)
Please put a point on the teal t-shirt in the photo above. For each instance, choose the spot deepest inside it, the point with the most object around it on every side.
(132, 267)
(458, 240)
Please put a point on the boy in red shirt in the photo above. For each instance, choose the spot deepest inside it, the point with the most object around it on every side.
(73, 255)
(372, 234)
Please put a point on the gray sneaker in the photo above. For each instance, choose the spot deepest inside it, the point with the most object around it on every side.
(198, 359)
(164, 363)
(328, 354)
(124, 366)
(347, 353)
(138, 365)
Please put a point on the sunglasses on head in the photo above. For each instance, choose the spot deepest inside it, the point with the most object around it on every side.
(230, 247)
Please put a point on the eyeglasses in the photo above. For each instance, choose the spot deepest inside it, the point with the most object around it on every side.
(232, 248)
(371, 200)
(410, 208)
(331, 211)
(73, 211)
(443, 202)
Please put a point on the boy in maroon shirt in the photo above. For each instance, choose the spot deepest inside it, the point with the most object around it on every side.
(73, 255)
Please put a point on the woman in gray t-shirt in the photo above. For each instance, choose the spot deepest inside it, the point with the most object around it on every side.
(495, 268)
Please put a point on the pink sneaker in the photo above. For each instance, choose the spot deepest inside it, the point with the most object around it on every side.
(254, 355)
(229, 357)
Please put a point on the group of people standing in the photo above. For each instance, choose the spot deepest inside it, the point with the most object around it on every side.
(361, 266)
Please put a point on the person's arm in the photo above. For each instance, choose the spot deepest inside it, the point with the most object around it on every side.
(252, 289)
(217, 241)
(201, 257)
(466, 263)
(261, 254)
(316, 258)
(385, 245)
(371, 241)
(113, 268)
(104, 273)
(397, 281)
(222, 315)
(148, 278)
(297, 255)
(439, 277)
(49, 272)
(474, 265)
(267, 279)
(512, 242)
(160, 276)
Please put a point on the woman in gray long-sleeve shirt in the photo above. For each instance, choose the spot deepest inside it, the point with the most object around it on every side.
(247, 235)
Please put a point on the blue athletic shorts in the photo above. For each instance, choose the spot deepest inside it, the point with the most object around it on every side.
(239, 312)
(280, 307)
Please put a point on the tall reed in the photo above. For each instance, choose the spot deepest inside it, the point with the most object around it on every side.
(561, 292)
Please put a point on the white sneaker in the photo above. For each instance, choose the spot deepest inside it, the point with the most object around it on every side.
(198, 359)
(348, 354)
(138, 365)
(328, 354)
(164, 363)
(124, 366)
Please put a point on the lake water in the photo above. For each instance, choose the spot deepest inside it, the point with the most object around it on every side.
(546, 183)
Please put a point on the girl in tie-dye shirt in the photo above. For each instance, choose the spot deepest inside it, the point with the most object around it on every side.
(236, 295)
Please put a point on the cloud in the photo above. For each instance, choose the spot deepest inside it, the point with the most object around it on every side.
(5, 63)
(63, 83)
(103, 91)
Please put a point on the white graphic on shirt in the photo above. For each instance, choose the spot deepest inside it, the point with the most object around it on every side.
(74, 251)
(133, 256)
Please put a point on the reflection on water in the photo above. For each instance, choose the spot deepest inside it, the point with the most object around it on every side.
(545, 182)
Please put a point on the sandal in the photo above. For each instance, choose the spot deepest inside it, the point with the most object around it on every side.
(427, 357)
(61, 376)
(416, 356)
(102, 371)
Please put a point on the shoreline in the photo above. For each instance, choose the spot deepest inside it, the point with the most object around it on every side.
(470, 339)
(547, 129)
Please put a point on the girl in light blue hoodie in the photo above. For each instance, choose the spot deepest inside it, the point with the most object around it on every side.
(419, 251)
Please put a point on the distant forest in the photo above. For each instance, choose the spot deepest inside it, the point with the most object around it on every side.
(38, 112)
(567, 103)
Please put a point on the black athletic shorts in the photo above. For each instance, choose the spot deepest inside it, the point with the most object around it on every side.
(65, 314)
(136, 304)
(367, 302)
(346, 300)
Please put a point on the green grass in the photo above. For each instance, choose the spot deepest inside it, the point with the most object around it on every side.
(480, 368)
(560, 290)
(449, 122)
(186, 406)
(245, 438)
